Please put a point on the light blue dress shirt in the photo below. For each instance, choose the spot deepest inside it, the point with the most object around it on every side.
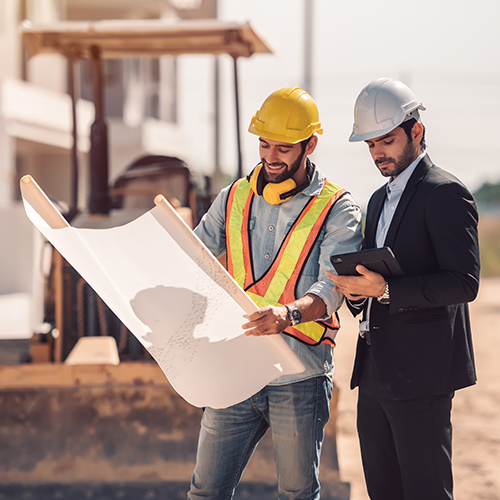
(394, 191)
(269, 225)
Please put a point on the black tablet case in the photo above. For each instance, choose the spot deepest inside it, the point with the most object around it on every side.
(379, 260)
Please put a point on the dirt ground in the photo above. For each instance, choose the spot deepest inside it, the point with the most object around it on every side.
(475, 414)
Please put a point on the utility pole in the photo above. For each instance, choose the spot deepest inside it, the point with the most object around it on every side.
(308, 44)
(100, 201)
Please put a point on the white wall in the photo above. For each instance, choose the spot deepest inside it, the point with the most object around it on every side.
(10, 42)
(16, 246)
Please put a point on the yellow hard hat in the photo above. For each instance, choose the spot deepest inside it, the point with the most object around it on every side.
(287, 115)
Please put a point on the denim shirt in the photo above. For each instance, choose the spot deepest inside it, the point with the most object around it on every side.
(269, 225)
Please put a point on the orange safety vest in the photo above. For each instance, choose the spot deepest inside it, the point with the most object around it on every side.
(277, 286)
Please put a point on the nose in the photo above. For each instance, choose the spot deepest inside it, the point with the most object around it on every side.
(271, 155)
(377, 151)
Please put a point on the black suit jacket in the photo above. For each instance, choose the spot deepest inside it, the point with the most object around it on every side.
(421, 341)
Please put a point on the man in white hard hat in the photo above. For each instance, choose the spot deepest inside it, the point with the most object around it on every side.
(278, 227)
(415, 348)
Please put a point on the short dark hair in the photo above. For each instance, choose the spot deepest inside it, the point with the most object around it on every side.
(408, 127)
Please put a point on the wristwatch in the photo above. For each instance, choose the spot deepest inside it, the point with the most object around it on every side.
(385, 298)
(294, 315)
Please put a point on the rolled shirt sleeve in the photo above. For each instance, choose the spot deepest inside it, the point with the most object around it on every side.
(342, 235)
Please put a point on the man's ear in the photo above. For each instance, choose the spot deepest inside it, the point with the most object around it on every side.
(416, 132)
(311, 145)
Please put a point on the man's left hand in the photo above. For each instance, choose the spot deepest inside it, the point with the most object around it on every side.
(269, 320)
(368, 284)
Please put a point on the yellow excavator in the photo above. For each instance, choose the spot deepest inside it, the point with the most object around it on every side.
(118, 430)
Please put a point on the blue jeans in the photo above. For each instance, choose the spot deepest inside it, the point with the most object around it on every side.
(296, 413)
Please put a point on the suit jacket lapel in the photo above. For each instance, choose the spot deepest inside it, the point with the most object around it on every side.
(410, 189)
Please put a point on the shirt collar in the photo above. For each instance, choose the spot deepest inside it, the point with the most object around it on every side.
(316, 185)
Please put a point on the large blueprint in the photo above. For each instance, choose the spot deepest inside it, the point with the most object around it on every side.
(174, 296)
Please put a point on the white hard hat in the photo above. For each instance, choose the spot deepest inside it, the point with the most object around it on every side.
(382, 106)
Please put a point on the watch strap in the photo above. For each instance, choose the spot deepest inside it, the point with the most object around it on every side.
(385, 297)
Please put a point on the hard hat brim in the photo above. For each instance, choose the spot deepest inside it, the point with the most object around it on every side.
(390, 125)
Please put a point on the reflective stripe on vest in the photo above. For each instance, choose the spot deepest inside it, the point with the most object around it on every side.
(277, 286)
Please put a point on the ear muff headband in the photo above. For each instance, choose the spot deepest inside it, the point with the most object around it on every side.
(257, 180)
(271, 192)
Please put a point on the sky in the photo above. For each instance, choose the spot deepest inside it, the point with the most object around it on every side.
(447, 52)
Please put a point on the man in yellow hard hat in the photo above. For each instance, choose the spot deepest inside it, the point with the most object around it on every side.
(279, 226)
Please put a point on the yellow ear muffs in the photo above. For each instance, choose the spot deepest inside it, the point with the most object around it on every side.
(270, 191)
(256, 180)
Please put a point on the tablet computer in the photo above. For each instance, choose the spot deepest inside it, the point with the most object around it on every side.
(378, 260)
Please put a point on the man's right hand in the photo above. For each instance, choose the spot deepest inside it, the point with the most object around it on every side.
(368, 284)
(269, 320)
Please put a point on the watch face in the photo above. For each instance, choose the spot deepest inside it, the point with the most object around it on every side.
(296, 316)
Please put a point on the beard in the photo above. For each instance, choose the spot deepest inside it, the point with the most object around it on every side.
(400, 164)
(289, 172)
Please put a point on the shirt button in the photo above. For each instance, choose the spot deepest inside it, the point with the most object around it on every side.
(271, 228)
(267, 256)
